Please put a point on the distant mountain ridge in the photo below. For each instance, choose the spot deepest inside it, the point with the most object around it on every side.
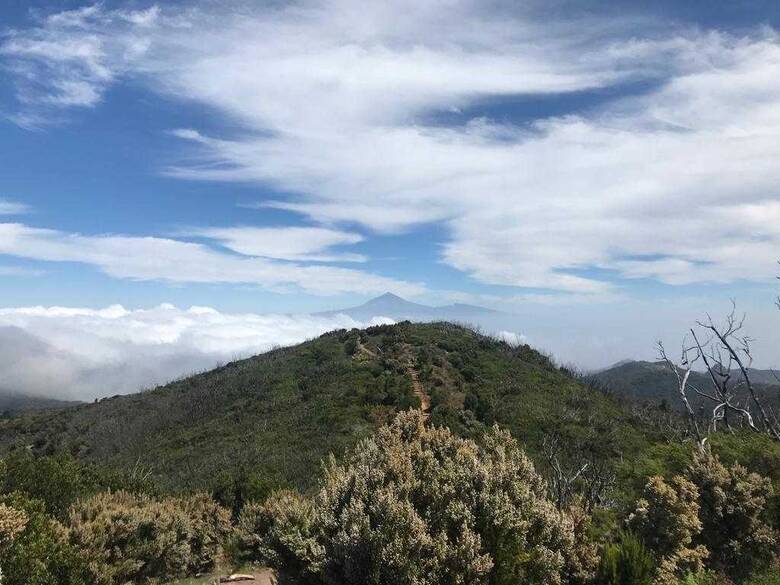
(399, 309)
(14, 403)
(654, 383)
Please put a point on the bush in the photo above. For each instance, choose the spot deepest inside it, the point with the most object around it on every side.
(627, 562)
(280, 532)
(37, 551)
(132, 538)
(732, 512)
(59, 480)
(418, 505)
(667, 521)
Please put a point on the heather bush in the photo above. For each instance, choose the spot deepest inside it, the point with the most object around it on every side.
(667, 521)
(34, 549)
(733, 514)
(280, 532)
(418, 505)
(138, 539)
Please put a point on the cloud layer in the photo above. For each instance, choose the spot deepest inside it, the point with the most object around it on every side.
(120, 351)
(338, 102)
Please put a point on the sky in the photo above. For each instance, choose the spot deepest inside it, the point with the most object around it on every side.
(178, 173)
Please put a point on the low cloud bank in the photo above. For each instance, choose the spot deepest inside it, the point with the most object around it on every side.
(73, 353)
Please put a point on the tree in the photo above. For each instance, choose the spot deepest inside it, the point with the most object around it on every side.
(726, 355)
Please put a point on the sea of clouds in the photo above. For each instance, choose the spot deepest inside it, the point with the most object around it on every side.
(74, 353)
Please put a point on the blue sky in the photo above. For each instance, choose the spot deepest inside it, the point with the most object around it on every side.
(566, 162)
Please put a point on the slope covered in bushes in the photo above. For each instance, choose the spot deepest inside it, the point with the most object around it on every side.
(268, 421)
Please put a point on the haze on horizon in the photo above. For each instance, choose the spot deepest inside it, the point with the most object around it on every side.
(183, 183)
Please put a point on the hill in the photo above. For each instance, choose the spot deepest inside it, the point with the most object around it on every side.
(653, 383)
(275, 416)
(14, 403)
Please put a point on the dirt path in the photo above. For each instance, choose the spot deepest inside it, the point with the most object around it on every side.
(417, 387)
(362, 349)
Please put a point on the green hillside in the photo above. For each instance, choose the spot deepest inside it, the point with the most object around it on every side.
(653, 383)
(273, 418)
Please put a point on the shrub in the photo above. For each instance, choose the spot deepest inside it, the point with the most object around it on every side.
(667, 520)
(133, 538)
(59, 480)
(35, 550)
(626, 562)
(12, 522)
(418, 505)
(770, 577)
(732, 512)
(280, 532)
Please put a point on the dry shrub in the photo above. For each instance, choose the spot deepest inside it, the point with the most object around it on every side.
(137, 539)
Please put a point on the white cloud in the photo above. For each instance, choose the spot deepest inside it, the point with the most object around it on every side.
(510, 337)
(153, 258)
(88, 353)
(679, 184)
(285, 243)
(8, 207)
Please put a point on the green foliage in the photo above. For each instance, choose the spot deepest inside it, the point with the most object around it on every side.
(627, 562)
(418, 505)
(770, 577)
(667, 521)
(280, 413)
(138, 539)
(40, 553)
(60, 479)
(733, 515)
(280, 532)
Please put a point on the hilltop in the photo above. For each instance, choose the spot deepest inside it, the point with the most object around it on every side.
(274, 417)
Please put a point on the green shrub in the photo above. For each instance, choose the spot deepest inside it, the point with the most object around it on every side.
(134, 538)
(733, 506)
(667, 521)
(418, 505)
(770, 577)
(626, 562)
(59, 480)
(280, 532)
(39, 553)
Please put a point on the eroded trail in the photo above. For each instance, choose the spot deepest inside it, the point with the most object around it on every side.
(417, 386)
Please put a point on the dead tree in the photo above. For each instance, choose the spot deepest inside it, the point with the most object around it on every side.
(689, 355)
(726, 357)
(589, 481)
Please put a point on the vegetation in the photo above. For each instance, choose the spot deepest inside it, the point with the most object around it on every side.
(138, 539)
(267, 422)
(517, 471)
(416, 504)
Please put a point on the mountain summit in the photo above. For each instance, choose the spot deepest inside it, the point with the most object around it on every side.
(399, 309)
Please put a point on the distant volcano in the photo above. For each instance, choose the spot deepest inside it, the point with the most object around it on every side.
(398, 309)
